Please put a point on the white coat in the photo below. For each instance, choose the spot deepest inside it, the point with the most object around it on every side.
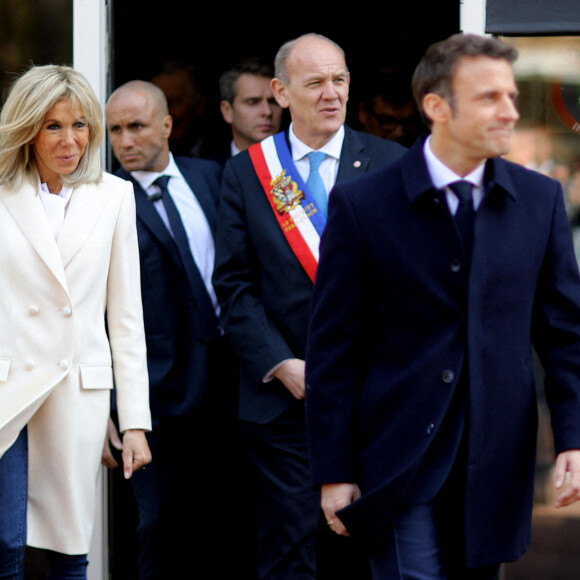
(59, 352)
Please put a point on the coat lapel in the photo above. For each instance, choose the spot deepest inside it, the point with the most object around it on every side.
(26, 209)
(86, 206)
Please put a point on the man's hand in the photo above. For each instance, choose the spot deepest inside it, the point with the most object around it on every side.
(112, 440)
(291, 374)
(136, 451)
(335, 496)
(567, 462)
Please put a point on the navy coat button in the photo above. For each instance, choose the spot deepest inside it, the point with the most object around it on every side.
(455, 265)
(448, 376)
(430, 429)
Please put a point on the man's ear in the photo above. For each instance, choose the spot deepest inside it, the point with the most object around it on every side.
(279, 91)
(227, 111)
(436, 108)
(167, 126)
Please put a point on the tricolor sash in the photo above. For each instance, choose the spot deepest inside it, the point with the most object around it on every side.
(292, 203)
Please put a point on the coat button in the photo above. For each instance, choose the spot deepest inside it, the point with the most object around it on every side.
(29, 364)
(448, 376)
(63, 364)
(430, 429)
(66, 311)
(455, 265)
(33, 310)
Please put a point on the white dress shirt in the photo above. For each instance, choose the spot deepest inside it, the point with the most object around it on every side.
(201, 242)
(55, 205)
(234, 149)
(328, 168)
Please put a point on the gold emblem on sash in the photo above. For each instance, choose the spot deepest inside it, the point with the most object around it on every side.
(285, 193)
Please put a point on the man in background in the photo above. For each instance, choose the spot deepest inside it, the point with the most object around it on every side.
(186, 102)
(386, 106)
(181, 498)
(248, 104)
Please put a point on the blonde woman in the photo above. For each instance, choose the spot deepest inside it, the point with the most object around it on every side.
(70, 320)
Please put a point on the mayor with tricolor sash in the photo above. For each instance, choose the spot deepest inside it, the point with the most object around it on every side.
(272, 214)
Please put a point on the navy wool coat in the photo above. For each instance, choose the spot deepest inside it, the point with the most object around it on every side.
(396, 311)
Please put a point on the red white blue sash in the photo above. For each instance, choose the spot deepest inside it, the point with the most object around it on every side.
(292, 203)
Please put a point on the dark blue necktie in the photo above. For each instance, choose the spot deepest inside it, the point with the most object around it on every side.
(465, 214)
(208, 318)
(314, 182)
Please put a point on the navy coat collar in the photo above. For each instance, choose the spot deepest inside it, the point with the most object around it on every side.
(418, 181)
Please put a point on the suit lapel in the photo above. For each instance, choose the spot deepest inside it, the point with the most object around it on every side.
(353, 160)
(26, 209)
(202, 193)
(148, 215)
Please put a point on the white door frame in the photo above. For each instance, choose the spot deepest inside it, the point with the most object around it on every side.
(91, 57)
(472, 16)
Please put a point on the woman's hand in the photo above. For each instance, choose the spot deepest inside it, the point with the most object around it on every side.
(136, 451)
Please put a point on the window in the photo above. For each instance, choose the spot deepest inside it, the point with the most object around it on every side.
(33, 32)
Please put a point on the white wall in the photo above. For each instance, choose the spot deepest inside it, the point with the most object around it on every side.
(472, 16)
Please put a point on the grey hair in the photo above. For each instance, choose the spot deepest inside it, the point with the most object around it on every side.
(284, 52)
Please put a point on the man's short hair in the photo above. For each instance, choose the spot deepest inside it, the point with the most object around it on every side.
(250, 66)
(434, 73)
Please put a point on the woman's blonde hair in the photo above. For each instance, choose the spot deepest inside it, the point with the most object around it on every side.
(30, 98)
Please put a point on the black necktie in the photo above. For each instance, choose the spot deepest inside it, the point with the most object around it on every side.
(208, 318)
(465, 214)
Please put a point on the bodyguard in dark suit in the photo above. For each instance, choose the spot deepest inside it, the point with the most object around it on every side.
(266, 252)
(420, 389)
(187, 358)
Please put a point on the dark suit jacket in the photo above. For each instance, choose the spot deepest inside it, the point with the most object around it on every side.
(177, 353)
(262, 288)
(392, 325)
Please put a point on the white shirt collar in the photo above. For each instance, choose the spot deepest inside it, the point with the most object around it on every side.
(234, 149)
(146, 178)
(442, 176)
(332, 148)
(65, 191)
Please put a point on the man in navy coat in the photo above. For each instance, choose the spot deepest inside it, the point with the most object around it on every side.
(420, 392)
(266, 254)
(192, 403)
